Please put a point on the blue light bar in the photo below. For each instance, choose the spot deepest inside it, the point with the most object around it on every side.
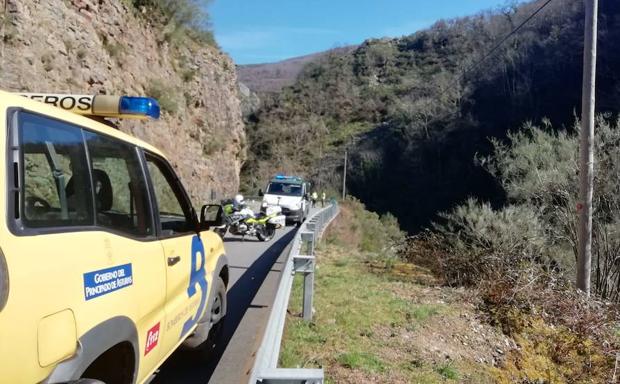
(145, 106)
(287, 178)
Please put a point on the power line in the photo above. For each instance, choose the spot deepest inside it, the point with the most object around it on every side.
(496, 46)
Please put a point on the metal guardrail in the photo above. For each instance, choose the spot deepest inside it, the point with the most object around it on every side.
(300, 260)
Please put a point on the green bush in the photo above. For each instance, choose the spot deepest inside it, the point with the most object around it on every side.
(538, 169)
(180, 19)
(448, 371)
(378, 237)
(482, 243)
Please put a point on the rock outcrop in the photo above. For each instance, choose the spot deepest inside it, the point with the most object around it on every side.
(107, 47)
(250, 102)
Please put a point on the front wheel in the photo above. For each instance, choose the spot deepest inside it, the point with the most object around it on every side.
(266, 233)
(218, 312)
(301, 221)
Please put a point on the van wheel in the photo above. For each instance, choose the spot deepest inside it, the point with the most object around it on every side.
(301, 221)
(266, 233)
(218, 313)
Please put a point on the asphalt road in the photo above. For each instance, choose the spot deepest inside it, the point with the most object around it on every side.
(255, 269)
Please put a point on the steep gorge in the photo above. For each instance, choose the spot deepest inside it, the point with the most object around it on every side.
(109, 47)
(416, 112)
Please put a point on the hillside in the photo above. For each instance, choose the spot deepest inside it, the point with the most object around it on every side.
(272, 77)
(413, 126)
(110, 47)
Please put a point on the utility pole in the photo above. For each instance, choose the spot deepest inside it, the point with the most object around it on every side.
(320, 165)
(344, 176)
(586, 148)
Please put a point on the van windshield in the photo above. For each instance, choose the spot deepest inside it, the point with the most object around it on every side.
(284, 189)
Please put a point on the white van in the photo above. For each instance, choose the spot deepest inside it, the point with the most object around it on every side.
(290, 193)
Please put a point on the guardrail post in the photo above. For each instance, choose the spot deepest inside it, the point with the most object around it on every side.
(306, 264)
(314, 226)
(308, 294)
(307, 239)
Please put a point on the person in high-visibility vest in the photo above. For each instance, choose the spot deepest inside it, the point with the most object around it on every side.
(323, 199)
(314, 197)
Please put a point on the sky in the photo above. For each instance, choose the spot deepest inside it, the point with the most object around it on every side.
(260, 31)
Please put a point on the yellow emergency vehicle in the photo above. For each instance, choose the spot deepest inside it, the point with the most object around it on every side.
(105, 268)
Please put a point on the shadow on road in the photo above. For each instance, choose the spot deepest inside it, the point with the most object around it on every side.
(187, 367)
(241, 240)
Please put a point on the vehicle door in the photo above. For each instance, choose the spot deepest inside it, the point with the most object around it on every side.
(125, 217)
(184, 253)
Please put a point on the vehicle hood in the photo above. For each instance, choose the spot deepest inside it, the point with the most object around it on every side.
(290, 202)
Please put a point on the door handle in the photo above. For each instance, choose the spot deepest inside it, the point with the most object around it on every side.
(173, 260)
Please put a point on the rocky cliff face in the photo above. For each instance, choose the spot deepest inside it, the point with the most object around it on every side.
(106, 47)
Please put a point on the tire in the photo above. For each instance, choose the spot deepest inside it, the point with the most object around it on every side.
(266, 233)
(116, 365)
(208, 347)
(301, 221)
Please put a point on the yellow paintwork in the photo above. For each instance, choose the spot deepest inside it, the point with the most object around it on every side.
(47, 280)
(10, 99)
(56, 337)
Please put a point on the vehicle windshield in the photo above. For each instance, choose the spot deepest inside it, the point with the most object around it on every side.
(284, 189)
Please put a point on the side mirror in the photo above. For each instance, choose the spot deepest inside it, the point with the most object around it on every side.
(211, 215)
(260, 193)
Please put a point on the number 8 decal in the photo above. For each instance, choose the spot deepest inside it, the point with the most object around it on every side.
(197, 277)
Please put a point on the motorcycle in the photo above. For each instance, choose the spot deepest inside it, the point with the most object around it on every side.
(246, 223)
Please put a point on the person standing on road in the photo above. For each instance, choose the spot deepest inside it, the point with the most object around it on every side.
(323, 199)
(314, 197)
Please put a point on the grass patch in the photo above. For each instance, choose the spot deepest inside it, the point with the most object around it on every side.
(424, 312)
(448, 371)
(361, 360)
(375, 323)
(359, 319)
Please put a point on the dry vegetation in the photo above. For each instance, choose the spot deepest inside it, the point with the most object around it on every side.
(520, 258)
(410, 317)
